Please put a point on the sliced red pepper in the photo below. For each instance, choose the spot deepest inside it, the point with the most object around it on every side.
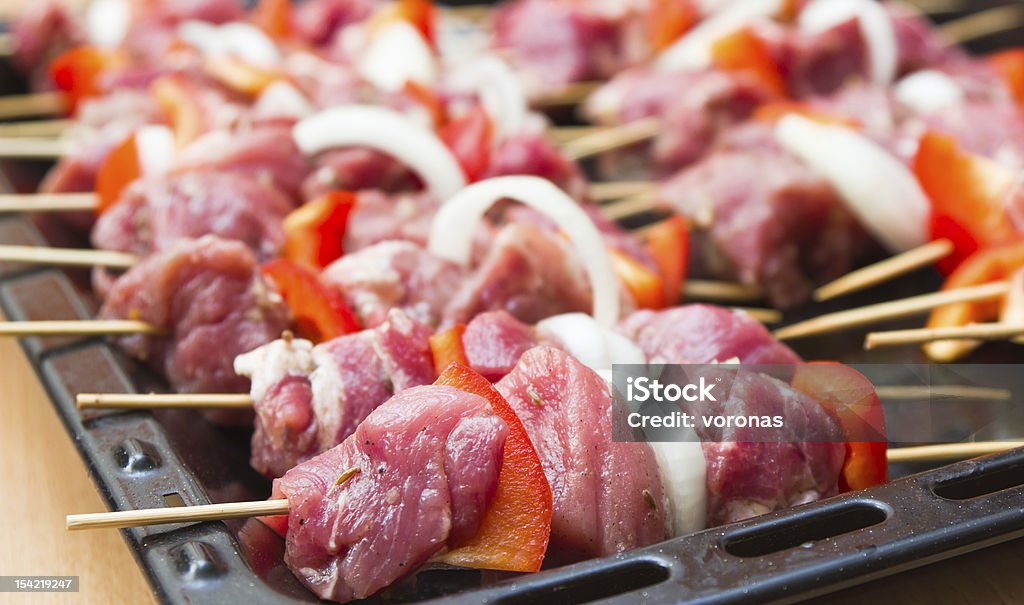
(514, 533)
(428, 99)
(646, 287)
(319, 312)
(447, 348)
(968, 194)
(668, 243)
(118, 170)
(851, 398)
(421, 14)
(743, 51)
(773, 111)
(174, 95)
(315, 231)
(274, 17)
(669, 20)
(77, 71)
(240, 76)
(1009, 65)
(469, 139)
(984, 266)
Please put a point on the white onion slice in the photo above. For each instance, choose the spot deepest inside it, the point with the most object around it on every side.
(395, 55)
(386, 131)
(273, 362)
(282, 100)
(877, 187)
(500, 92)
(875, 25)
(156, 149)
(929, 91)
(596, 346)
(250, 44)
(242, 40)
(683, 471)
(451, 234)
(107, 22)
(693, 50)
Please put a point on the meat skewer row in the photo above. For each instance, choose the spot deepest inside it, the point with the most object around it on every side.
(570, 390)
(967, 87)
(780, 288)
(149, 33)
(209, 294)
(567, 390)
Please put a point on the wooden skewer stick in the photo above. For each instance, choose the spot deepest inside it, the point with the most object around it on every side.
(8, 44)
(122, 401)
(178, 514)
(34, 148)
(950, 451)
(765, 316)
(989, 331)
(31, 105)
(885, 270)
(564, 134)
(469, 12)
(71, 257)
(569, 95)
(146, 401)
(920, 393)
(36, 128)
(47, 202)
(614, 190)
(84, 327)
(631, 206)
(721, 291)
(894, 309)
(612, 137)
(938, 7)
(243, 510)
(984, 23)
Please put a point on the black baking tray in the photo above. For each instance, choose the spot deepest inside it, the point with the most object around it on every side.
(143, 460)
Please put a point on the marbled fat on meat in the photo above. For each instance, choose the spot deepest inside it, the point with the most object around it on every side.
(416, 476)
(208, 295)
(154, 213)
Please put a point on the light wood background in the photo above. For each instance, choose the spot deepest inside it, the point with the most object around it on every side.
(42, 479)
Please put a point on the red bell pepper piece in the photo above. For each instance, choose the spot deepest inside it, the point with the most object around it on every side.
(469, 138)
(850, 398)
(274, 17)
(315, 231)
(1009, 65)
(447, 348)
(174, 95)
(984, 266)
(645, 286)
(118, 170)
(76, 72)
(319, 312)
(428, 99)
(968, 194)
(668, 243)
(669, 20)
(421, 14)
(743, 51)
(514, 533)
